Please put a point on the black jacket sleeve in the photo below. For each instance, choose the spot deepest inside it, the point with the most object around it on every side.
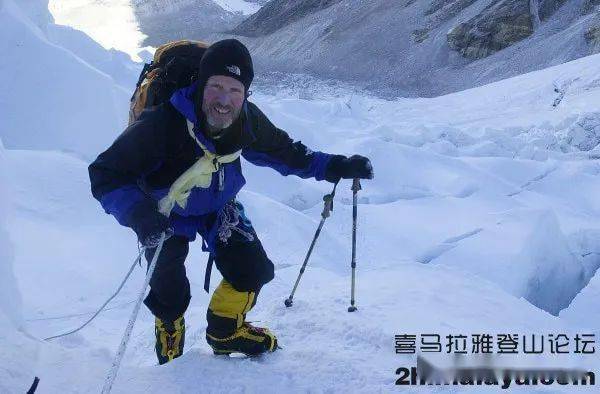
(115, 173)
(274, 148)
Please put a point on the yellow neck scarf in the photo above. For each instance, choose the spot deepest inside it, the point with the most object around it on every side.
(198, 175)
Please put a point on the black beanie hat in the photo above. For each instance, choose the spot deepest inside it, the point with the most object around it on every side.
(227, 57)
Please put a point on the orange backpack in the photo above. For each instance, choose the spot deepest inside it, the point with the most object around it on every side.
(174, 66)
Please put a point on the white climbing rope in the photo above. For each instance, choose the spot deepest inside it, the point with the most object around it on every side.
(137, 260)
(112, 374)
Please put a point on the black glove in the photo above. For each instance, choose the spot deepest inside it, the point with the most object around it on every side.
(148, 223)
(355, 166)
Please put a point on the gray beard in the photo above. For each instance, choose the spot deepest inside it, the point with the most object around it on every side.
(219, 130)
(213, 128)
(216, 132)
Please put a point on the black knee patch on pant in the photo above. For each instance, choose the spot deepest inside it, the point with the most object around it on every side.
(244, 263)
(169, 295)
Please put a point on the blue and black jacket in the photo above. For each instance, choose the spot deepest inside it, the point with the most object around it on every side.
(155, 150)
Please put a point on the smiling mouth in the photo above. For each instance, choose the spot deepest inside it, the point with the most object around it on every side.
(222, 110)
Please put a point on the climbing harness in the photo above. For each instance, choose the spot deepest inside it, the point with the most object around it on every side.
(229, 219)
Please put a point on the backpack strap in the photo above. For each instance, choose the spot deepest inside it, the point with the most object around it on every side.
(208, 271)
(209, 264)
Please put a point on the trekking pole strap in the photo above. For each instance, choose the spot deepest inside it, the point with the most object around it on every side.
(328, 202)
(356, 185)
(208, 271)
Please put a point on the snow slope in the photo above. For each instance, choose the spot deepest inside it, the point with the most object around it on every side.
(583, 311)
(241, 6)
(17, 349)
(449, 242)
(112, 24)
(164, 21)
(482, 218)
(52, 98)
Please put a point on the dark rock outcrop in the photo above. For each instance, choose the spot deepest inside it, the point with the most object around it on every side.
(420, 35)
(589, 6)
(547, 8)
(498, 26)
(448, 8)
(495, 28)
(592, 37)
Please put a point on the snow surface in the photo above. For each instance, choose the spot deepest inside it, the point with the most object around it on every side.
(111, 23)
(584, 311)
(242, 6)
(52, 98)
(483, 217)
(17, 349)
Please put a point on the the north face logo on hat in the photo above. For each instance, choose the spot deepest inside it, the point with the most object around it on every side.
(234, 70)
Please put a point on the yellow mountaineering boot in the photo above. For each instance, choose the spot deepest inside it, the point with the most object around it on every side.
(247, 339)
(227, 331)
(170, 337)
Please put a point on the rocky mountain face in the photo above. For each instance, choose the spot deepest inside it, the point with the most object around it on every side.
(592, 34)
(277, 14)
(394, 47)
(420, 47)
(500, 25)
(589, 6)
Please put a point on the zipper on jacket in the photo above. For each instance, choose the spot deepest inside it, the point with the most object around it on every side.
(220, 174)
(221, 178)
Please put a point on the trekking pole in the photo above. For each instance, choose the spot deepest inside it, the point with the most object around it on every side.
(327, 208)
(355, 188)
(110, 379)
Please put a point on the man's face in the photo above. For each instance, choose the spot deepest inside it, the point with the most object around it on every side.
(222, 101)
